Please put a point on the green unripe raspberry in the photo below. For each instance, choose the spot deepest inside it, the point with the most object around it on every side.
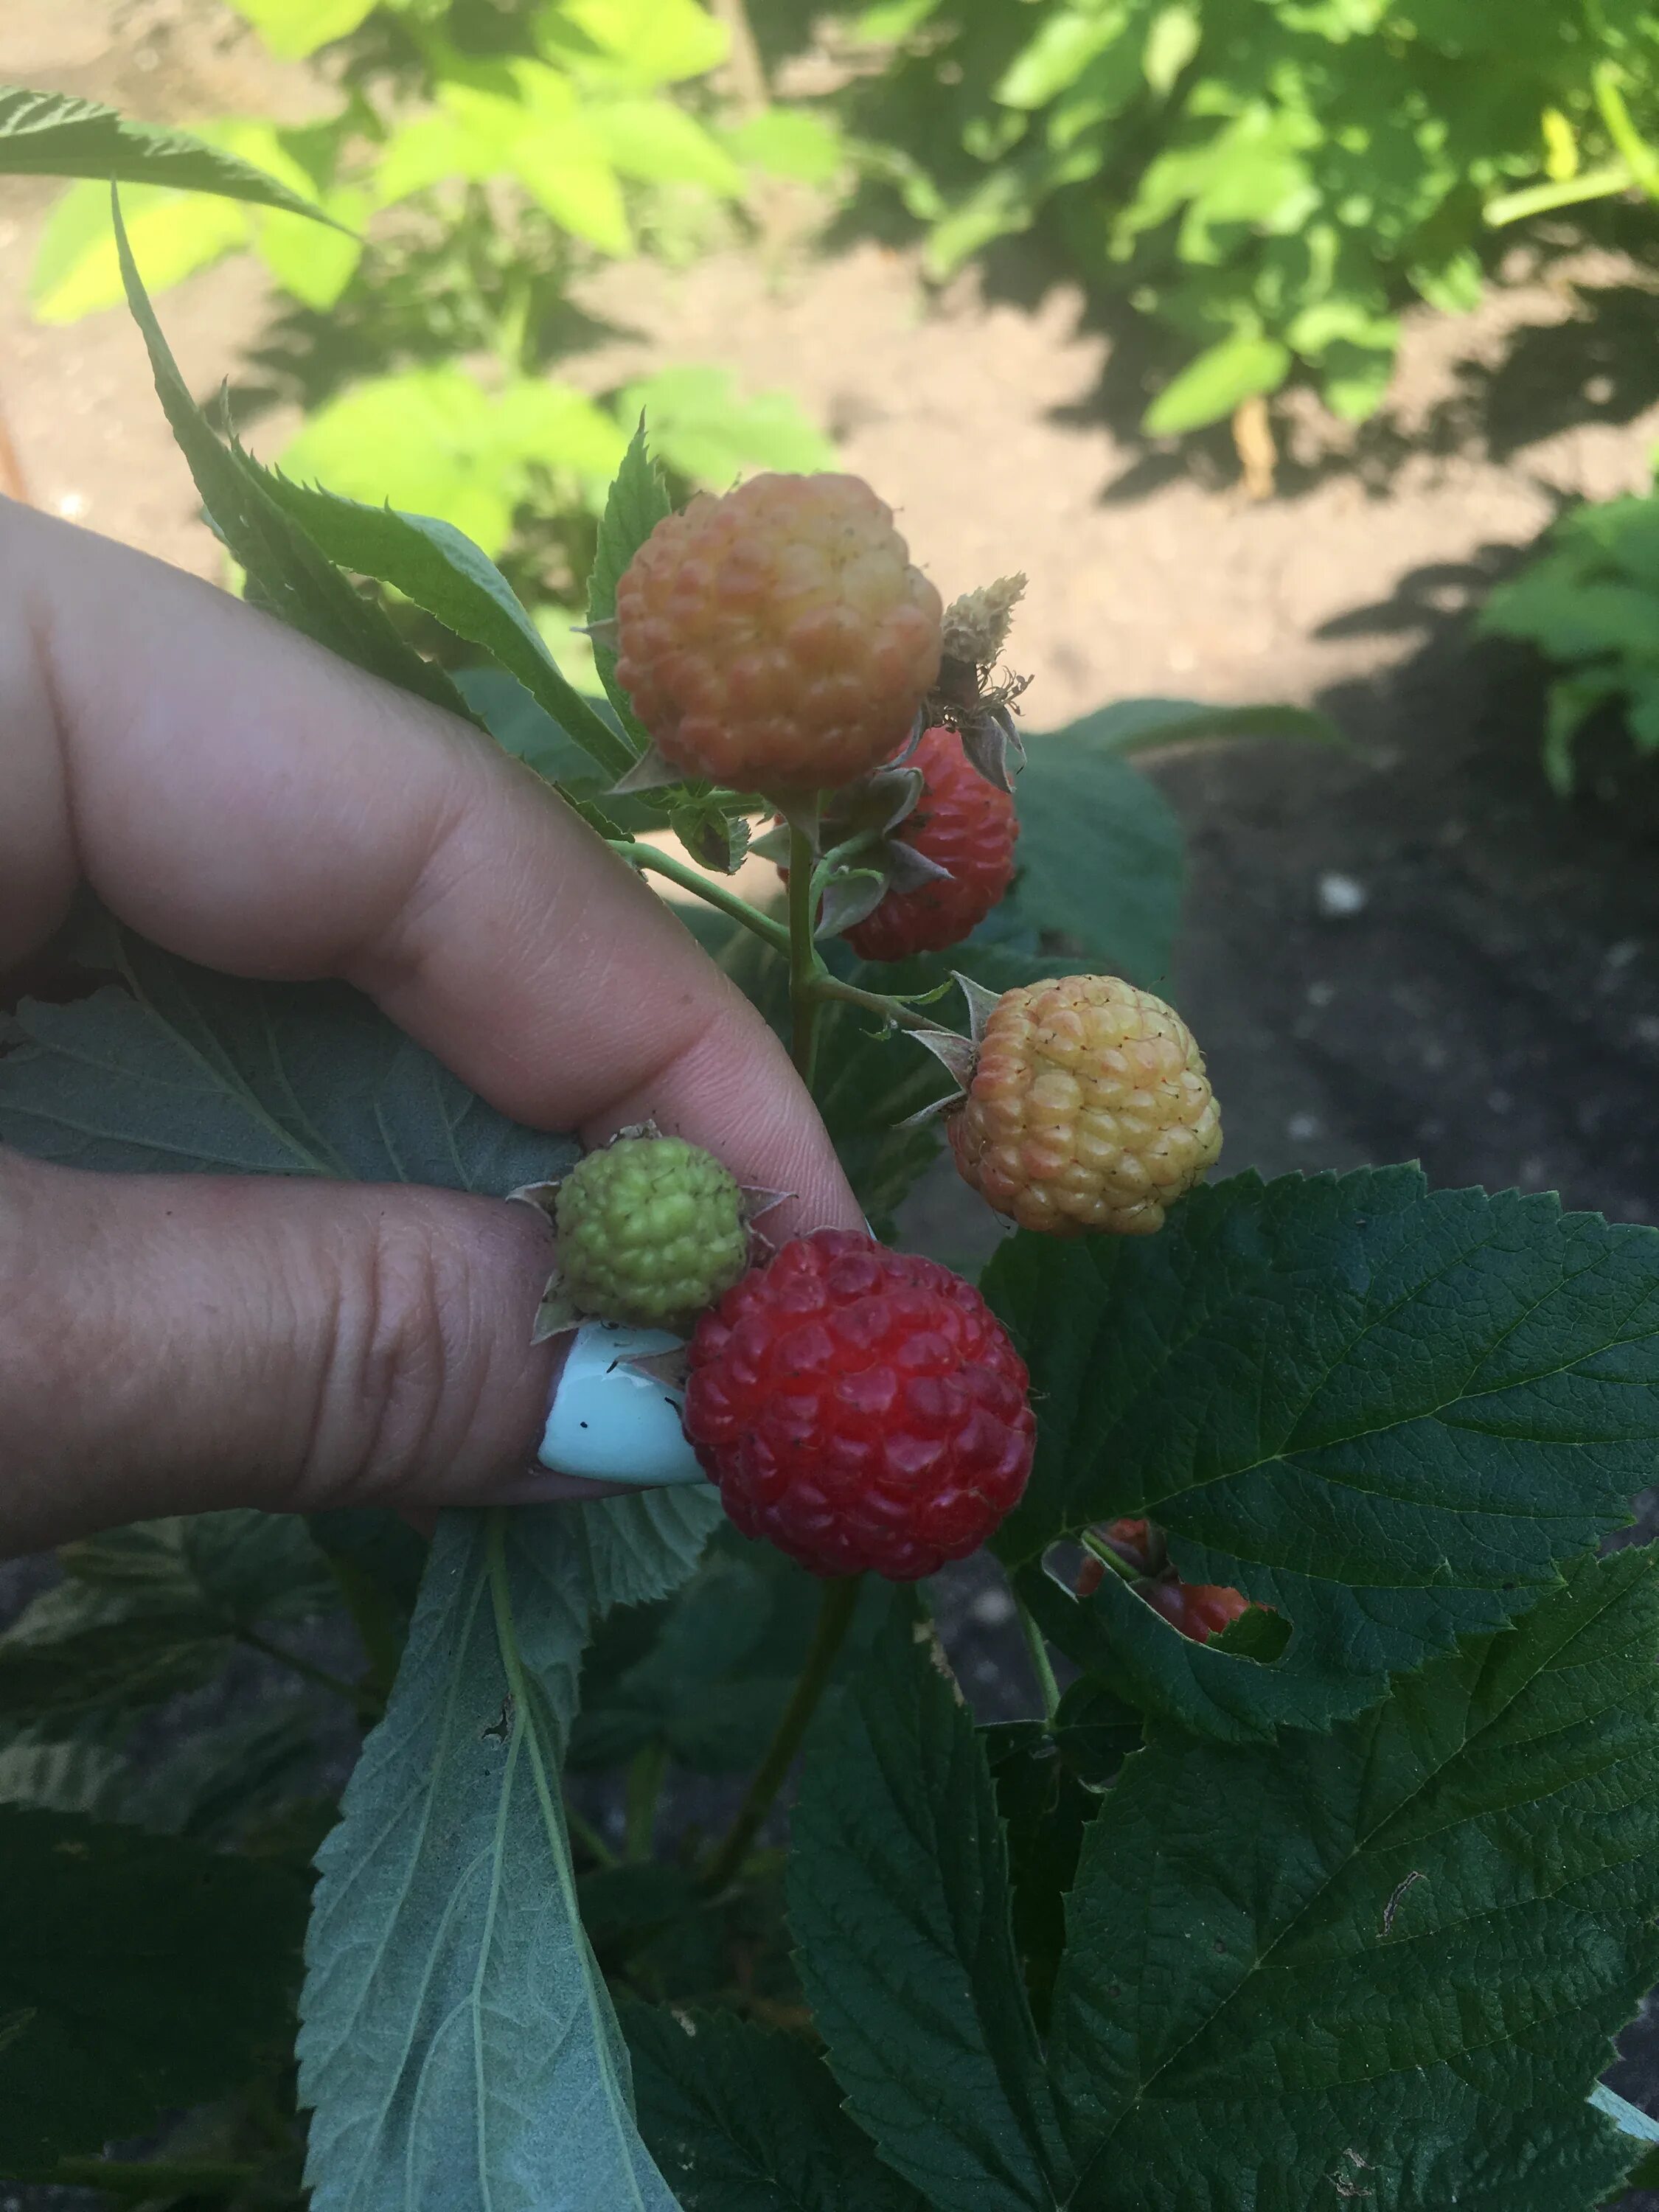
(650, 1230)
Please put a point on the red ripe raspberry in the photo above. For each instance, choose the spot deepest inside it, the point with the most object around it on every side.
(1198, 1610)
(859, 1408)
(966, 825)
(778, 637)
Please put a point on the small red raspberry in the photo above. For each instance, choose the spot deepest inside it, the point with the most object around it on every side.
(963, 823)
(1088, 1109)
(859, 1408)
(778, 637)
(1198, 1610)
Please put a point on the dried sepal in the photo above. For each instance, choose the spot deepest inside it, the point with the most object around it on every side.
(976, 625)
(650, 772)
(555, 1315)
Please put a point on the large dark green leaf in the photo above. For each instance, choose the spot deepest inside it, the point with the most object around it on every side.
(180, 1069)
(1130, 726)
(286, 571)
(136, 1972)
(1391, 1414)
(1100, 856)
(742, 2120)
(232, 1569)
(53, 134)
(106, 1664)
(899, 1900)
(1389, 1960)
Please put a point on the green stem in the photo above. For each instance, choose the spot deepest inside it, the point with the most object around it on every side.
(825, 986)
(645, 1780)
(1041, 1665)
(836, 1609)
(638, 856)
(804, 966)
(336, 1684)
(1098, 1549)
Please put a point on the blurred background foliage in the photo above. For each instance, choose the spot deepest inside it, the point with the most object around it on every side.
(1256, 188)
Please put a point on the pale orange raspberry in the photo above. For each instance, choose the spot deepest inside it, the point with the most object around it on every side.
(1089, 1109)
(778, 638)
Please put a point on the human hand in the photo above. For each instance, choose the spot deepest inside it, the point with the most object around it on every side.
(231, 791)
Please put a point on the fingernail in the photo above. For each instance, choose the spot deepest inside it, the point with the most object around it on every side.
(608, 1422)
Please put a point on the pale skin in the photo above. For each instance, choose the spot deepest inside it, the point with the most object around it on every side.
(174, 1344)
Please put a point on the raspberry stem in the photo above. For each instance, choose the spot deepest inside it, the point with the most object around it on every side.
(836, 1609)
(643, 856)
(1098, 1549)
(805, 965)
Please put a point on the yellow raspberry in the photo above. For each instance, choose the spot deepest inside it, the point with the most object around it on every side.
(778, 638)
(1089, 1109)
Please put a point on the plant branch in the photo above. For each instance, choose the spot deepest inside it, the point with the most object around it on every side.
(836, 1609)
(1098, 1549)
(825, 986)
(646, 1776)
(353, 1693)
(589, 1837)
(804, 965)
(690, 879)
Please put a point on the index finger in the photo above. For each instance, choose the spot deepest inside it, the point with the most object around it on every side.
(240, 796)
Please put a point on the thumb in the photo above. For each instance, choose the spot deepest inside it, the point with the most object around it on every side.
(173, 1344)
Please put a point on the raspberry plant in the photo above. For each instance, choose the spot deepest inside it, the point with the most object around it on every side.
(1331, 1879)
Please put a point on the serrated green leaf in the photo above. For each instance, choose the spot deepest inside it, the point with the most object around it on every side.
(217, 1782)
(292, 577)
(638, 41)
(900, 1903)
(73, 1772)
(739, 2120)
(637, 502)
(459, 2049)
(234, 1568)
(660, 143)
(1391, 1413)
(53, 134)
(1394, 1956)
(107, 1665)
(183, 1069)
(136, 1973)
(1208, 389)
(440, 568)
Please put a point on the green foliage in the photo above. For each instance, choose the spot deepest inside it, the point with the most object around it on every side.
(1394, 1955)
(1486, 1364)
(475, 164)
(899, 1898)
(1589, 602)
(459, 2045)
(1270, 180)
(137, 1971)
(1349, 1902)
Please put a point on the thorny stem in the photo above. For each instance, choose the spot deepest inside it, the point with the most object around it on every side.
(836, 1609)
(639, 856)
(804, 966)
(1041, 1665)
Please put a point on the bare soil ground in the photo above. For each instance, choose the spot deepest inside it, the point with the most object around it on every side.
(1406, 949)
